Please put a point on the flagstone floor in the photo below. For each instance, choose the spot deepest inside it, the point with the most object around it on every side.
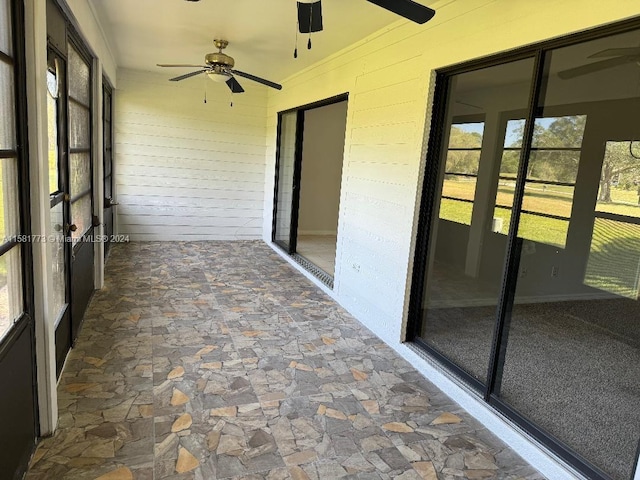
(218, 360)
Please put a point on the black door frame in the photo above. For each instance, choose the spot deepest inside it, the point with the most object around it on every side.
(15, 341)
(297, 169)
(63, 337)
(514, 245)
(108, 203)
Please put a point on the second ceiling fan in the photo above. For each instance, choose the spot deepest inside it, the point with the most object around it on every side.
(219, 67)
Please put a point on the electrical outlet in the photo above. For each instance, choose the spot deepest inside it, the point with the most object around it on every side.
(356, 267)
(554, 271)
(523, 272)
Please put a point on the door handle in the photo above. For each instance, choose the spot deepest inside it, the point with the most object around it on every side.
(71, 228)
(108, 202)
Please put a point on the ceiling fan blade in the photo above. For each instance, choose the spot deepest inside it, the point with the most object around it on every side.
(179, 65)
(234, 86)
(257, 79)
(593, 67)
(617, 52)
(407, 9)
(186, 75)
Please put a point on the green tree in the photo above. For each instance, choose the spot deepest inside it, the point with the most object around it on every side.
(617, 161)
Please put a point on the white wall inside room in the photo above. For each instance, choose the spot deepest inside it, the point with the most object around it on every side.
(389, 77)
(322, 155)
(186, 170)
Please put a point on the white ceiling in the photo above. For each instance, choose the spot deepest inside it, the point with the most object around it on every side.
(261, 33)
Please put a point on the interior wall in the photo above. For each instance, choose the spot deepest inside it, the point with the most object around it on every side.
(322, 155)
(390, 80)
(185, 169)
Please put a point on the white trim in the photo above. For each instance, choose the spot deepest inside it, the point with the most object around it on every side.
(36, 63)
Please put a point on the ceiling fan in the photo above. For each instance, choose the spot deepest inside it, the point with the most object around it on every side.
(219, 68)
(618, 56)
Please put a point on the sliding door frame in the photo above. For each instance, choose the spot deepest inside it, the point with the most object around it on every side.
(426, 221)
(297, 170)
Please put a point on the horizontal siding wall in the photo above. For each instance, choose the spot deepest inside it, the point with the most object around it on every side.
(186, 170)
(390, 80)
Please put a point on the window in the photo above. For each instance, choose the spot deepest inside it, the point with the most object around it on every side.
(11, 286)
(527, 271)
(550, 182)
(461, 172)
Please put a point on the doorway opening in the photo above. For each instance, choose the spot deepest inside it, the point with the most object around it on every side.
(308, 178)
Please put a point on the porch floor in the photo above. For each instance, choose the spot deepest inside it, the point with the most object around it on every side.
(218, 360)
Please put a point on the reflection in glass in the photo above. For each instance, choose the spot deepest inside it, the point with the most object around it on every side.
(464, 275)
(7, 108)
(9, 203)
(5, 31)
(58, 261)
(52, 135)
(80, 173)
(285, 177)
(81, 216)
(78, 77)
(79, 129)
(572, 360)
(11, 304)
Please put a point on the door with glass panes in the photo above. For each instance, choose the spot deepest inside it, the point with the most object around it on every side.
(18, 414)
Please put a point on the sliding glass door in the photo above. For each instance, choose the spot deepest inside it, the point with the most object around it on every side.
(527, 277)
(287, 180)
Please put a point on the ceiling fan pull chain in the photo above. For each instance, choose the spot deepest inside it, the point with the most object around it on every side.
(310, 29)
(295, 50)
(205, 89)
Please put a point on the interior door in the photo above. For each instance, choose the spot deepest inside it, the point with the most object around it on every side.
(288, 168)
(107, 99)
(18, 415)
(80, 184)
(59, 201)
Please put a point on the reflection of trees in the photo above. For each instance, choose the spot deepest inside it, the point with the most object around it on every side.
(463, 161)
(547, 163)
(617, 162)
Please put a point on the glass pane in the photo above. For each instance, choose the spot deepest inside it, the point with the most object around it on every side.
(80, 134)
(466, 256)
(285, 177)
(81, 216)
(509, 163)
(80, 173)
(52, 129)
(543, 230)
(9, 203)
(466, 135)
(458, 187)
(456, 211)
(514, 133)
(572, 360)
(554, 165)
(614, 258)
(559, 132)
(619, 190)
(5, 27)
(463, 161)
(548, 199)
(79, 80)
(7, 108)
(11, 304)
(59, 265)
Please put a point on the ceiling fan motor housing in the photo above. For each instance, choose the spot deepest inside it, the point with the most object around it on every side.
(219, 58)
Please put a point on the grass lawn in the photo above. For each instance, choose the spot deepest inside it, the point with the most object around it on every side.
(555, 200)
